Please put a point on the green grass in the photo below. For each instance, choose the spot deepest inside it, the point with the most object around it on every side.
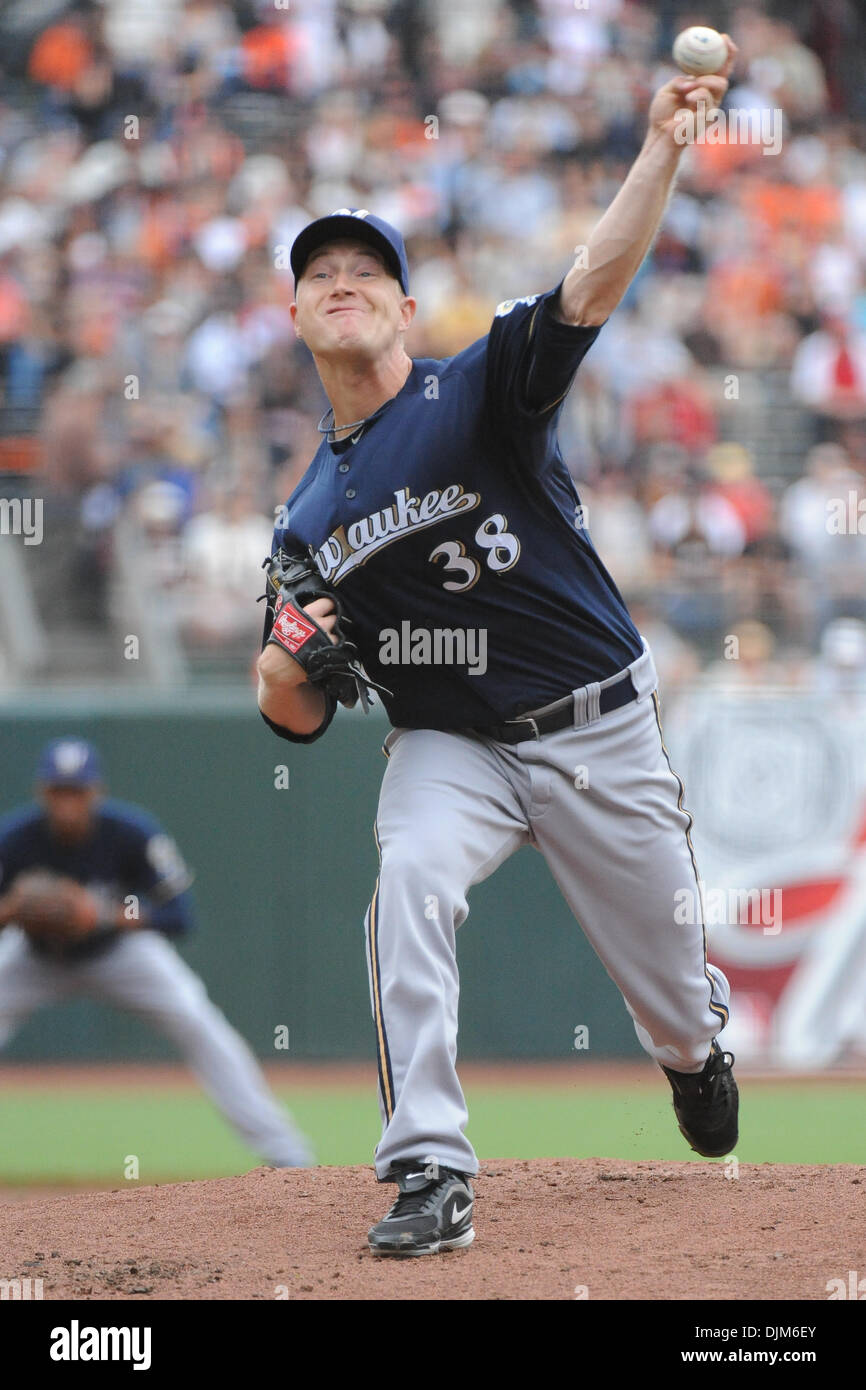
(64, 1135)
(46, 1135)
(779, 1123)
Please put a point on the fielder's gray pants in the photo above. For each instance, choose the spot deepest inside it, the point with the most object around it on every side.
(452, 808)
(143, 973)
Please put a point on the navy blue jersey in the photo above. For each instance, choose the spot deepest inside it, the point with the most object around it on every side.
(128, 853)
(452, 528)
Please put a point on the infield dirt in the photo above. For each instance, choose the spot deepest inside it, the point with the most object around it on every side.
(546, 1229)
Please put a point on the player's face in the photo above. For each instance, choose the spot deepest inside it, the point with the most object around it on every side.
(69, 810)
(348, 305)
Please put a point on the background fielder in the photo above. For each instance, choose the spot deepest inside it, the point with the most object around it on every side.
(119, 853)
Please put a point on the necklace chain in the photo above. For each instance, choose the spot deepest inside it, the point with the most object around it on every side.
(338, 429)
(331, 429)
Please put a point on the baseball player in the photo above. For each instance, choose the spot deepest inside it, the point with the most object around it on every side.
(448, 560)
(91, 890)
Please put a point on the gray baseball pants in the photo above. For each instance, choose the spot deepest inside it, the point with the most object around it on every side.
(143, 973)
(599, 800)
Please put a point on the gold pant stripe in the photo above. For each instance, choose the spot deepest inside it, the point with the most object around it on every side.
(718, 1009)
(382, 1053)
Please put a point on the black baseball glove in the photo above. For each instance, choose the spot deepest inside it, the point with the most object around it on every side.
(293, 582)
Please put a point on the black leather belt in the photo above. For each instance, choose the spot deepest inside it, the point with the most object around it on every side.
(560, 715)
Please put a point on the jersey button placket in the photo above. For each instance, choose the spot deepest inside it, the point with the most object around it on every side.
(342, 467)
(350, 493)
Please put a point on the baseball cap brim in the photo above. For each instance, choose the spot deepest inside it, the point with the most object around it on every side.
(78, 782)
(342, 226)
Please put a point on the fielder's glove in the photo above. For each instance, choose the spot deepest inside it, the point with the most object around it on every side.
(293, 582)
(53, 909)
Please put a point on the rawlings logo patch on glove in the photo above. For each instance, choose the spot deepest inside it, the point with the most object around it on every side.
(290, 630)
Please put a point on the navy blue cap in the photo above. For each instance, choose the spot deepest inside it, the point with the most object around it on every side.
(359, 225)
(69, 762)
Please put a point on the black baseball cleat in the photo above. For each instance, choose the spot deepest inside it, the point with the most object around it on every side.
(706, 1104)
(430, 1214)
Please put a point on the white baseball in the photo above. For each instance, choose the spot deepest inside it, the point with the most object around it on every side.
(699, 51)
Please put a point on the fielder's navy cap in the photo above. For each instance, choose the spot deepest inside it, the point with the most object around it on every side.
(69, 762)
(359, 225)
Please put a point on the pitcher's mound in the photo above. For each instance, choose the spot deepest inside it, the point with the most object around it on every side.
(548, 1229)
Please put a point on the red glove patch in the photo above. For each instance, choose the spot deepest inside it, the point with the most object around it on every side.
(291, 629)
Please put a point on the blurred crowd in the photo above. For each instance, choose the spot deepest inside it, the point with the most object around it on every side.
(158, 157)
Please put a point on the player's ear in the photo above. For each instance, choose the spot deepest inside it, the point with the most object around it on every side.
(293, 310)
(407, 311)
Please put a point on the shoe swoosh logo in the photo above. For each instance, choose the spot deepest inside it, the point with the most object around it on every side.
(458, 1213)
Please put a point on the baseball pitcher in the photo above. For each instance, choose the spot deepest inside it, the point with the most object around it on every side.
(437, 548)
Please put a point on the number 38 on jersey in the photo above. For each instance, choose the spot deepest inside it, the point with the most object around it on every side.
(501, 547)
